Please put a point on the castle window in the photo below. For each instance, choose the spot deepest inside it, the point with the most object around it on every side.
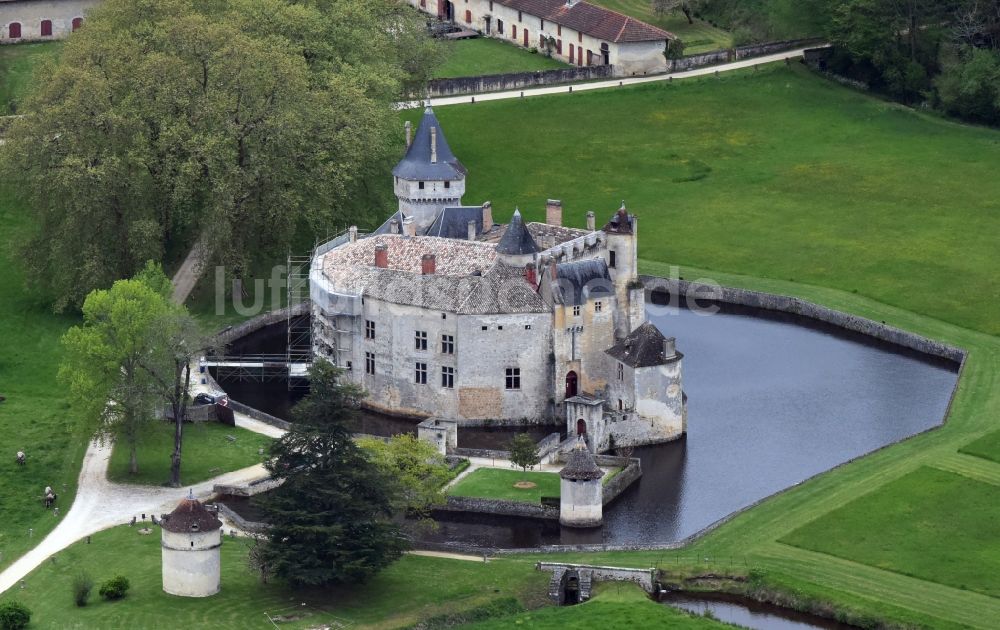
(499, 26)
(447, 377)
(369, 363)
(369, 329)
(420, 185)
(14, 30)
(491, 5)
(447, 184)
(77, 23)
(579, 36)
(486, 327)
(527, 326)
(541, 24)
(468, 15)
(46, 28)
(499, 327)
(444, 315)
(559, 30)
(611, 259)
(447, 344)
(350, 366)
(420, 374)
(621, 371)
(420, 340)
(519, 16)
(598, 306)
(513, 31)
(621, 405)
(513, 378)
(576, 311)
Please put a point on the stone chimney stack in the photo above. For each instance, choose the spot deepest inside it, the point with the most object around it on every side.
(434, 145)
(553, 212)
(472, 230)
(591, 221)
(531, 275)
(428, 264)
(394, 226)
(409, 227)
(382, 256)
(487, 216)
(669, 348)
(409, 133)
(352, 233)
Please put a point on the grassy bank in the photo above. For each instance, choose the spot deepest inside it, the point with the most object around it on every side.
(697, 37)
(207, 452)
(485, 55)
(494, 483)
(17, 64)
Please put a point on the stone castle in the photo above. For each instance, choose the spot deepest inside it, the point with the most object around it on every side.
(443, 312)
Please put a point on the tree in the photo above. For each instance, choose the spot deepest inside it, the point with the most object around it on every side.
(661, 8)
(238, 121)
(107, 358)
(418, 471)
(331, 518)
(523, 451)
(14, 615)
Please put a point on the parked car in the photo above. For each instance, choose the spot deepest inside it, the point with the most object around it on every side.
(205, 398)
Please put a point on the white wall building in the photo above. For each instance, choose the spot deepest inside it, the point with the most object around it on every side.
(577, 32)
(40, 20)
(451, 316)
(191, 546)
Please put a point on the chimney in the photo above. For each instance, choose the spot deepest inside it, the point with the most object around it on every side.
(382, 256)
(394, 226)
(352, 233)
(487, 216)
(553, 212)
(591, 221)
(530, 275)
(409, 133)
(409, 227)
(669, 348)
(472, 230)
(434, 145)
(428, 264)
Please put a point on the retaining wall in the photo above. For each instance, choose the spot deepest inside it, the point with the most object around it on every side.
(514, 80)
(726, 55)
(254, 527)
(231, 333)
(480, 452)
(499, 507)
(629, 475)
(257, 414)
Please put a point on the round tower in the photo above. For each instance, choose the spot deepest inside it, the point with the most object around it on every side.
(516, 248)
(581, 500)
(191, 544)
(429, 178)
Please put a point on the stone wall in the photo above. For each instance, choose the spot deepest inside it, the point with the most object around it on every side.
(480, 452)
(257, 414)
(231, 333)
(629, 475)
(714, 57)
(254, 527)
(499, 507)
(642, 577)
(248, 489)
(514, 80)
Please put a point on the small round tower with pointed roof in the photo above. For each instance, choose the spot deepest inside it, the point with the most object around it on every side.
(191, 544)
(516, 247)
(581, 500)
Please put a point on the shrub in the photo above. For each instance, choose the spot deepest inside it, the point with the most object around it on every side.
(14, 616)
(83, 584)
(115, 588)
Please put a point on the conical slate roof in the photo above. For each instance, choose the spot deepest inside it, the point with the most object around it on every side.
(517, 240)
(417, 164)
(190, 516)
(580, 466)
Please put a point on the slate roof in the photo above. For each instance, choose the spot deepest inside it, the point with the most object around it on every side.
(578, 281)
(517, 241)
(643, 347)
(620, 223)
(540, 232)
(386, 228)
(580, 465)
(591, 20)
(467, 280)
(417, 165)
(190, 516)
(454, 222)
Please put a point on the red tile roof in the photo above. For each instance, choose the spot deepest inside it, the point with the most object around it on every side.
(591, 19)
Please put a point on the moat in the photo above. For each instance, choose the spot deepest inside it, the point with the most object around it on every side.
(773, 400)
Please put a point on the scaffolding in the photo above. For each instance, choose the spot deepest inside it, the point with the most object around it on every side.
(298, 350)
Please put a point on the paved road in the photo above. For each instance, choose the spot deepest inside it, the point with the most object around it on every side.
(598, 85)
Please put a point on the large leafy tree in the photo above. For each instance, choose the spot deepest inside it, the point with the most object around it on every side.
(331, 519)
(237, 122)
(417, 470)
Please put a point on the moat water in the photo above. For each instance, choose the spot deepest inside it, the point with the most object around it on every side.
(772, 401)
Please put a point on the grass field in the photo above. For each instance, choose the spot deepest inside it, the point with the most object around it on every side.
(775, 174)
(987, 447)
(486, 55)
(495, 483)
(412, 589)
(16, 65)
(698, 37)
(950, 524)
(206, 453)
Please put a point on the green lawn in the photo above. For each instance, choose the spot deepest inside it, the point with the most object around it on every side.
(987, 447)
(950, 525)
(776, 173)
(16, 65)
(207, 453)
(412, 589)
(35, 417)
(698, 37)
(615, 606)
(485, 55)
(495, 483)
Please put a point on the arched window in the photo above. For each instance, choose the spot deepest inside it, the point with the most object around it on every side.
(571, 384)
(77, 22)
(14, 30)
(46, 28)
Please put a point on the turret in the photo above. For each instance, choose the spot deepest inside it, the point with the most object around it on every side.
(191, 541)
(581, 496)
(517, 248)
